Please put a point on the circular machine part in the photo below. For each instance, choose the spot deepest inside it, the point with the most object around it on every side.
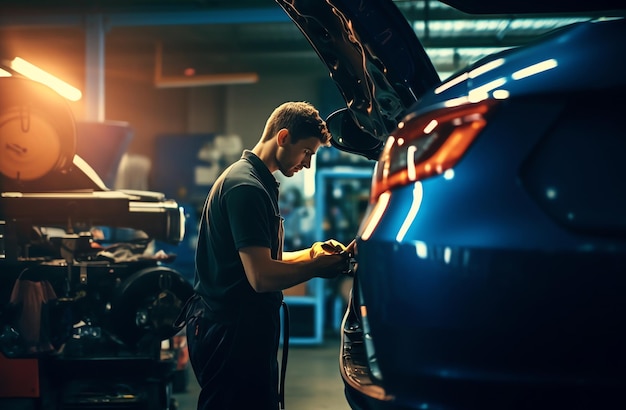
(147, 303)
(37, 130)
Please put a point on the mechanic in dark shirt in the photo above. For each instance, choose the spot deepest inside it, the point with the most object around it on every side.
(233, 321)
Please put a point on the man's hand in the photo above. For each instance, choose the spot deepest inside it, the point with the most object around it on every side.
(329, 247)
(330, 266)
(332, 248)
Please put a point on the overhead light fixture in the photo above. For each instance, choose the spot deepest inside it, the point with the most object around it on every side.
(179, 81)
(37, 74)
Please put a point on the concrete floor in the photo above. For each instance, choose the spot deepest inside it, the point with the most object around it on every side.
(313, 381)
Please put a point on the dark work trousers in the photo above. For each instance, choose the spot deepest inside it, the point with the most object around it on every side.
(235, 362)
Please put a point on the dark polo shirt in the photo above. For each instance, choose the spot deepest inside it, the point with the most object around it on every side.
(241, 210)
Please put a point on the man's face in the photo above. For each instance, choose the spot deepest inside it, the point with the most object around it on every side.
(291, 158)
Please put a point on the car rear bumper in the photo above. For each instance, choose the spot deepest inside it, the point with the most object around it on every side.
(501, 327)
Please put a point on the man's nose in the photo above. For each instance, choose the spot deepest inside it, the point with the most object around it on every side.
(306, 163)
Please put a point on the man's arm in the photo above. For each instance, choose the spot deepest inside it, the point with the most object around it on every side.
(327, 247)
(267, 275)
(297, 256)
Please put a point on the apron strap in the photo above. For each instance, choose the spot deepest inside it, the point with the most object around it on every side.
(283, 365)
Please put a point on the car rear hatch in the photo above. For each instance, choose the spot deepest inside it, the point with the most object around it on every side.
(372, 55)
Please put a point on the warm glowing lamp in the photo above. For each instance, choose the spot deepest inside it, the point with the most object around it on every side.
(35, 73)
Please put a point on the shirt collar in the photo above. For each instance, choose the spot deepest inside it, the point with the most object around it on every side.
(264, 173)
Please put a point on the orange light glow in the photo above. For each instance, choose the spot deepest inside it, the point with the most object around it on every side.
(376, 215)
(35, 73)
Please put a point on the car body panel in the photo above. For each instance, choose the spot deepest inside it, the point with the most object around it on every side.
(497, 282)
(486, 297)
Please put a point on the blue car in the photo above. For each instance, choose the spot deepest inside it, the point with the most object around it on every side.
(491, 263)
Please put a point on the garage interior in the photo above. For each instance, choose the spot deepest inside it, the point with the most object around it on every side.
(190, 80)
(130, 58)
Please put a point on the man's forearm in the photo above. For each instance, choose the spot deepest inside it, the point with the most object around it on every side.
(297, 256)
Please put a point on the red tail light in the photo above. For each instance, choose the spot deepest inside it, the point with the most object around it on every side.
(428, 145)
(180, 344)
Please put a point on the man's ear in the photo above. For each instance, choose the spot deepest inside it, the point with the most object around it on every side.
(282, 137)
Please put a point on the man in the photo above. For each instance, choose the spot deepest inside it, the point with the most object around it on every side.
(233, 322)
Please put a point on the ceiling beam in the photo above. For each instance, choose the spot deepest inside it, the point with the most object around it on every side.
(142, 19)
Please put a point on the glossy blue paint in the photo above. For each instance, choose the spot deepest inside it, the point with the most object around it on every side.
(497, 283)
(487, 297)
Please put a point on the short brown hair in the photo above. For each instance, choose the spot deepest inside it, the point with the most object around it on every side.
(300, 118)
